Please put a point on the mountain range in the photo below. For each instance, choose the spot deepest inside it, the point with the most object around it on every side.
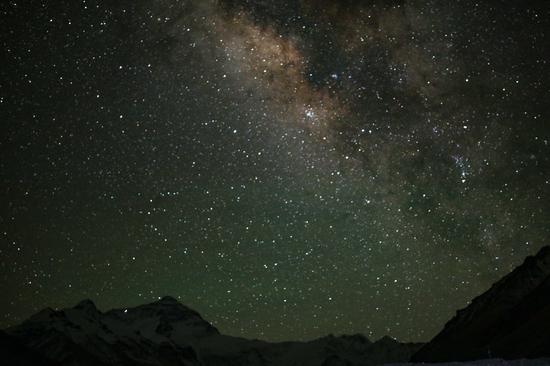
(167, 333)
(509, 321)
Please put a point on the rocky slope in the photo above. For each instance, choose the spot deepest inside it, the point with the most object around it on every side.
(168, 333)
(14, 353)
(511, 320)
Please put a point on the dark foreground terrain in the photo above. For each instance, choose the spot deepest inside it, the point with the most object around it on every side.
(510, 321)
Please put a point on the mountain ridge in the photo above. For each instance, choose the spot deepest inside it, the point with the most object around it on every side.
(493, 324)
(168, 333)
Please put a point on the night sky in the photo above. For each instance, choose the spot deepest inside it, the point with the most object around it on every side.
(288, 169)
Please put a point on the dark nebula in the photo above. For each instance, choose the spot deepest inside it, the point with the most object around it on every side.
(289, 169)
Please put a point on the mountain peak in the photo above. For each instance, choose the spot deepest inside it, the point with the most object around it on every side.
(167, 316)
(45, 314)
(543, 256)
(85, 304)
(168, 300)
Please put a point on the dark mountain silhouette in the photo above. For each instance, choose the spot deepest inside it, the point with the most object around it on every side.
(167, 333)
(510, 321)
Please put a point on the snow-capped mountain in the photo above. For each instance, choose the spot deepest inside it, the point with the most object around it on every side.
(168, 333)
(83, 335)
(511, 320)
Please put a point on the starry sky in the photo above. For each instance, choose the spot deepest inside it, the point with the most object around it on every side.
(289, 169)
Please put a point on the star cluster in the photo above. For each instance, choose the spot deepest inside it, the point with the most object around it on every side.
(289, 169)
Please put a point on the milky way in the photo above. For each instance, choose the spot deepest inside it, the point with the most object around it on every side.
(289, 169)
